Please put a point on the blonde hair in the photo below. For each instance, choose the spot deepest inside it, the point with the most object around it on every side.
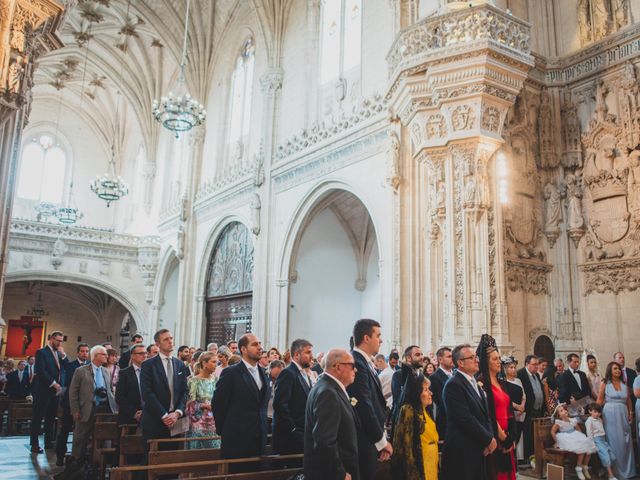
(202, 359)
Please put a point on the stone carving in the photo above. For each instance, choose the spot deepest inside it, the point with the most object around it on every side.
(527, 277)
(255, 214)
(105, 268)
(634, 186)
(258, 160)
(232, 174)
(629, 102)
(416, 135)
(463, 118)
(614, 277)
(16, 72)
(436, 126)
(599, 18)
(231, 266)
(547, 133)
(572, 154)
(491, 119)
(82, 266)
(462, 26)
(553, 212)
(180, 237)
(148, 267)
(59, 249)
(394, 178)
(271, 81)
(575, 220)
(27, 261)
(368, 109)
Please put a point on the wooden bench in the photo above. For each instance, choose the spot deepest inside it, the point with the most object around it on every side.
(19, 412)
(179, 442)
(284, 474)
(221, 467)
(543, 447)
(105, 436)
(130, 443)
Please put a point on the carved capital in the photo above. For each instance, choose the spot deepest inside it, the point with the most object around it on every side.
(271, 81)
(528, 277)
(614, 277)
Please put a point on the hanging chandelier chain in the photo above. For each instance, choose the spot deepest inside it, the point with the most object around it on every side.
(183, 60)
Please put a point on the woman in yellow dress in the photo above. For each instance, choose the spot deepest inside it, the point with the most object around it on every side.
(415, 438)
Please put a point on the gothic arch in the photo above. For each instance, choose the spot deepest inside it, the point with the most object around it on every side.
(140, 319)
(168, 262)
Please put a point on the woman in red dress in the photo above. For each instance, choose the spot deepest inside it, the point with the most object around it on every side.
(501, 463)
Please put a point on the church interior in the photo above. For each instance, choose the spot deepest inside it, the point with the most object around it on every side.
(286, 167)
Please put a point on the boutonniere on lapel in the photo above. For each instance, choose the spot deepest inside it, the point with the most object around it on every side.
(480, 385)
(354, 401)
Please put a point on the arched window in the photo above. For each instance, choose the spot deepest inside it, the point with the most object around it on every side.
(42, 170)
(341, 39)
(241, 93)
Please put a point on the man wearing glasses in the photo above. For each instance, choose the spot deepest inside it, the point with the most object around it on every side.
(469, 435)
(128, 391)
(330, 434)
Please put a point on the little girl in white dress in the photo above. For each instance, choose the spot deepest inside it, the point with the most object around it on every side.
(567, 437)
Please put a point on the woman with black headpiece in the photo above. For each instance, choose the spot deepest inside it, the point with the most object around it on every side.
(415, 438)
(501, 463)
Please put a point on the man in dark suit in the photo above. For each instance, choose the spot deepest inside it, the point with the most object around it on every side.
(240, 403)
(126, 356)
(469, 436)
(67, 420)
(572, 382)
(438, 379)
(535, 402)
(330, 433)
(163, 380)
(413, 359)
(46, 387)
(291, 391)
(128, 389)
(628, 375)
(371, 406)
(18, 386)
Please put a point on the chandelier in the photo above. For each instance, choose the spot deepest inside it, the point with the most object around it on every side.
(37, 311)
(180, 113)
(45, 210)
(109, 186)
(69, 213)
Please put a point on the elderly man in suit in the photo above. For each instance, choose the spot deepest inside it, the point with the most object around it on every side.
(573, 382)
(89, 393)
(240, 403)
(46, 388)
(535, 402)
(371, 406)
(67, 420)
(291, 391)
(330, 433)
(163, 380)
(469, 436)
(18, 386)
(126, 356)
(128, 389)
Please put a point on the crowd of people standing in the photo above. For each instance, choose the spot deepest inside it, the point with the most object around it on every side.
(347, 410)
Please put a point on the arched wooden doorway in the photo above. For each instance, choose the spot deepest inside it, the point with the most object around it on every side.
(229, 291)
(544, 348)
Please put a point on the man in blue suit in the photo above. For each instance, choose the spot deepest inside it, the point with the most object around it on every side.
(240, 403)
(163, 381)
(47, 387)
(18, 385)
(67, 419)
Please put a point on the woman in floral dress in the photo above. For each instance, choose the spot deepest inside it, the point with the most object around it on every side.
(201, 388)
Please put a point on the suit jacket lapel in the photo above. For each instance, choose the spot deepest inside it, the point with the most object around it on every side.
(376, 380)
(345, 401)
(301, 378)
(248, 379)
(162, 372)
(482, 402)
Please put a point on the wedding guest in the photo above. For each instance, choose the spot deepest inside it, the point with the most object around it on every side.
(535, 400)
(617, 413)
(593, 375)
(567, 435)
(274, 354)
(125, 359)
(429, 369)
(201, 388)
(518, 400)
(385, 374)
(212, 347)
(415, 437)
(224, 354)
(542, 366)
(636, 394)
(274, 370)
(112, 367)
(438, 379)
(152, 350)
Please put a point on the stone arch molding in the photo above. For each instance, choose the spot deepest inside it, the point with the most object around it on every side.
(140, 318)
(305, 211)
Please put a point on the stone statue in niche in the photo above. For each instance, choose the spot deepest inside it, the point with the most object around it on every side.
(546, 129)
(59, 249)
(180, 242)
(259, 161)
(634, 184)
(394, 178)
(575, 220)
(553, 212)
(572, 155)
(255, 214)
(16, 71)
(441, 198)
(599, 18)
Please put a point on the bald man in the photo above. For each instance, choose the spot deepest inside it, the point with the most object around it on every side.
(330, 433)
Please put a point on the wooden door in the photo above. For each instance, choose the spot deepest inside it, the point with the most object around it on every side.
(228, 318)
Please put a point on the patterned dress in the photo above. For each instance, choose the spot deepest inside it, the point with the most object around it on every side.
(201, 422)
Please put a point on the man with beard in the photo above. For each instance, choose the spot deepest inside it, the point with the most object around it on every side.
(370, 405)
(291, 391)
(413, 359)
(240, 403)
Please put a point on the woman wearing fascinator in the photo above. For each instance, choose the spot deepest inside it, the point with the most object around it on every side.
(501, 463)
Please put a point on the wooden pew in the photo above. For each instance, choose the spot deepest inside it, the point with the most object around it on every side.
(4, 408)
(19, 412)
(284, 474)
(179, 443)
(543, 447)
(130, 443)
(205, 466)
(105, 436)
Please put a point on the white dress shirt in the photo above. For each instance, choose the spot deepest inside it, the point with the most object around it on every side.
(382, 443)
(577, 377)
(473, 382)
(253, 370)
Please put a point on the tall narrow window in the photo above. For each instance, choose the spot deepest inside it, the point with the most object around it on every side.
(241, 93)
(341, 38)
(42, 171)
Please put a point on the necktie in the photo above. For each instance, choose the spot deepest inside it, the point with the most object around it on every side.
(99, 381)
(170, 381)
(309, 381)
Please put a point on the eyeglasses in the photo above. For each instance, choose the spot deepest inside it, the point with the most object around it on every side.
(471, 357)
(139, 353)
(351, 364)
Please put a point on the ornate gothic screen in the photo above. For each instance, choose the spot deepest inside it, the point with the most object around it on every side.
(230, 285)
